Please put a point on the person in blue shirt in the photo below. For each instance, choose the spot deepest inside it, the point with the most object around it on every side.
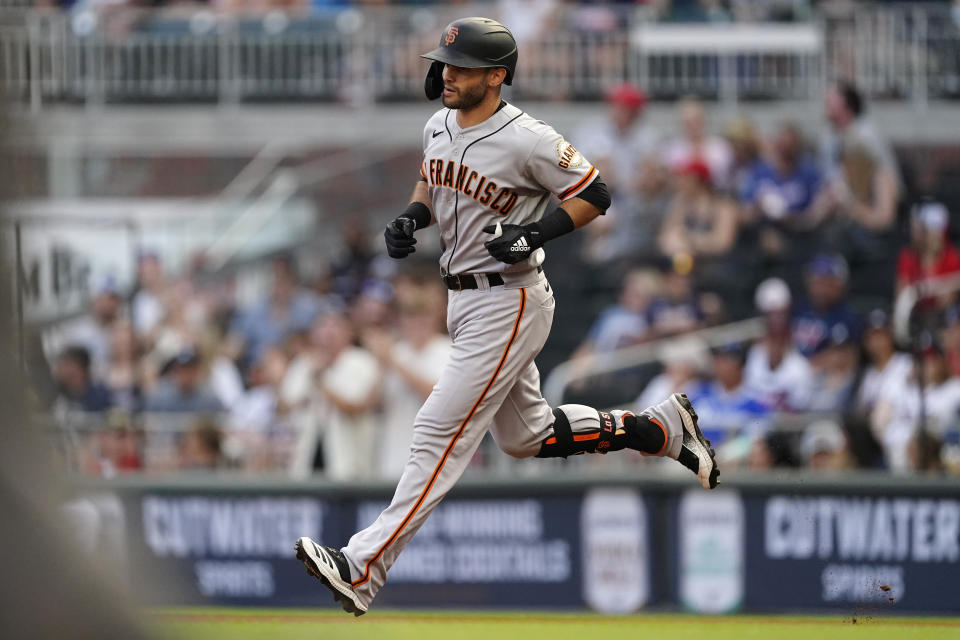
(75, 387)
(782, 200)
(726, 406)
(783, 186)
(288, 309)
(825, 312)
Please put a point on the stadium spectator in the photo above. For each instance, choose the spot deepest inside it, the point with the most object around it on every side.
(824, 447)
(76, 389)
(898, 413)
(254, 434)
(184, 388)
(727, 408)
(887, 370)
(625, 323)
(775, 370)
(745, 149)
(949, 336)
(90, 331)
(352, 268)
(201, 447)
(930, 253)
(695, 144)
(338, 383)
(862, 179)
(123, 371)
(834, 365)
(677, 309)
(779, 197)
(287, 309)
(684, 360)
(631, 227)
(148, 301)
(617, 144)
(699, 222)
(412, 364)
(826, 306)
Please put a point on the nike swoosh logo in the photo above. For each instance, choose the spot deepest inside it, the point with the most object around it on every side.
(436, 133)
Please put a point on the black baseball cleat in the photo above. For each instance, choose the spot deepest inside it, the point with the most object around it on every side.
(330, 567)
(677, 416)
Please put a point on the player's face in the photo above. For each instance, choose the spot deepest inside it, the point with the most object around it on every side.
(464, 88)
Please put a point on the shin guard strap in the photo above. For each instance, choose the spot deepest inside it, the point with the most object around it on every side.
(562, 431)
(608, 429)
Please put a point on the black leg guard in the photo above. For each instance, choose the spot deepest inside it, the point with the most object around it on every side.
(597, 434)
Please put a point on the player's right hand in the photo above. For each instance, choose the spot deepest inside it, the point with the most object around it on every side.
(399, 237)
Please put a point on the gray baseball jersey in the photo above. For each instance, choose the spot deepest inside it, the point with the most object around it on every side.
(502, 170)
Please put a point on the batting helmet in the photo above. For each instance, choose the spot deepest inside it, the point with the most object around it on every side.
(471, 43)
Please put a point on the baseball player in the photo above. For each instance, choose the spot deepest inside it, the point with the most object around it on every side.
(488, 175)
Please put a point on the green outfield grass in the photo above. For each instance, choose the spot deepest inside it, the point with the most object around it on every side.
(298, 624)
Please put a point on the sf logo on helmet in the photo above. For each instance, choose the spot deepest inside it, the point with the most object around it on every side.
(451, 35)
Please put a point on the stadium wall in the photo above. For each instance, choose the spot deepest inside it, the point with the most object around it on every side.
(862, 544)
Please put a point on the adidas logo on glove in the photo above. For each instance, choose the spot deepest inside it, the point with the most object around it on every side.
(520, 245)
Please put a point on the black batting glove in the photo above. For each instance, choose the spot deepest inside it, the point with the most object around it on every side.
(515, 243)
(398, 237)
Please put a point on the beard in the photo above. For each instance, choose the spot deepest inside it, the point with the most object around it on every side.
(467, 98)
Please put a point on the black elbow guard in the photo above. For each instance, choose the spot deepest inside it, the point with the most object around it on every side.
(596, 194)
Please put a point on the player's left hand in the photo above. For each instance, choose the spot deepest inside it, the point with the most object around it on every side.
(514, 244)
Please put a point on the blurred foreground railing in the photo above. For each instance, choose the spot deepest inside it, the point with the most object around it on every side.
(361, 56)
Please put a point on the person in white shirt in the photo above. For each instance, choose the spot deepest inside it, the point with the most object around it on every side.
(333, 388)
(775, 369)
(898, 414)
(684, 360)
(412, 365)
(888, 369)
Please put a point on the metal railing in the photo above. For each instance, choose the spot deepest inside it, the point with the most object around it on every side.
(577, 369)
(371, 55)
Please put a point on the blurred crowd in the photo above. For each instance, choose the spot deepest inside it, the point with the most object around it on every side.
(803, 231)
(316, 374)
(601, 14)
(324, 370)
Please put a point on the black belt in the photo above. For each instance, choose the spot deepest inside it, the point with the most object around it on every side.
(469, 281)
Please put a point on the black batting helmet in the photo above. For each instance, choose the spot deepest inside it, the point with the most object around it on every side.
(471, 43)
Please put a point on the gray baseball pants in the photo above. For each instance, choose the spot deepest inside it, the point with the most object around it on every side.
(490, 381)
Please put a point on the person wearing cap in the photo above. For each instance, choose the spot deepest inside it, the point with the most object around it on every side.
(726, 406)
(91, 330)
(695, 143)
(183, 388)
(834, 370)
(887, 369)
(824, 447)
(701, 224)
(775, 370)
(930, 253)
(622, 148)
(825, 306)
(617, 143)
(898, 412)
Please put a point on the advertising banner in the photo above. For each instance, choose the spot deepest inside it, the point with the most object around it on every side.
(553, 551)
(816, 552)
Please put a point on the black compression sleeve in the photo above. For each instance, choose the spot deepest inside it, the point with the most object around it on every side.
(597, 194)
(419, 213)
(556, 223)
